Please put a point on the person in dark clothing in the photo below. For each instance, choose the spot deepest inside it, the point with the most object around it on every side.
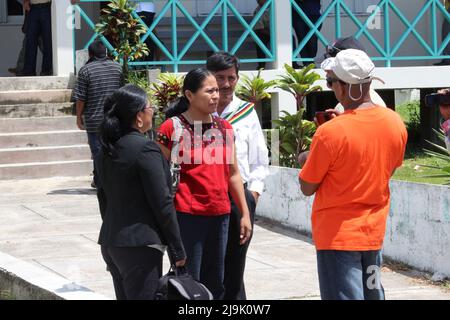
(312, 10)
(21, 58)
(39, 25)
(139, 218)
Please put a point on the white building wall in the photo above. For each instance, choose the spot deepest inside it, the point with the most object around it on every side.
(418, 227)
(62, 35)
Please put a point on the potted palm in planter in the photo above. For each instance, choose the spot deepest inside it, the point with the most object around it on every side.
(295, 132)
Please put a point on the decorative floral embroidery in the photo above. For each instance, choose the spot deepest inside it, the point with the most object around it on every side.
(210, 139)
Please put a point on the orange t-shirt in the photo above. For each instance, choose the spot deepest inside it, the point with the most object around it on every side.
(352, 158)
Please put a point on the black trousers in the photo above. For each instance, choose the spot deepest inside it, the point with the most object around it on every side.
(135, 271)
(236, 254)
(39, 25)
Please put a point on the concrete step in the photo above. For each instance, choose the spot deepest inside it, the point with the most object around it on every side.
(42, 139)
(21, 125)
(45, 169)
(34, 83)
(44, 154)
(34, 96)
(35, 110)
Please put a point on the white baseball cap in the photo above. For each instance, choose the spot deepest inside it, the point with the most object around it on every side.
(351, 66)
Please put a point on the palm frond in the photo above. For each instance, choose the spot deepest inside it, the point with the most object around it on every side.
(299, 83)
(254, 89)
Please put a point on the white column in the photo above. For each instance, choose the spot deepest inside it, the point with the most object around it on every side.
(283, 31)
(62, 37)
(282, 100)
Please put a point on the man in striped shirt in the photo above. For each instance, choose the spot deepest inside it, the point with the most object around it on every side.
(99, 78)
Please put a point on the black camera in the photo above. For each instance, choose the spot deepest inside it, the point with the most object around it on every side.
(437, 99)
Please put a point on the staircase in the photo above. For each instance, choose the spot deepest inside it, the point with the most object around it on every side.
(38, 135)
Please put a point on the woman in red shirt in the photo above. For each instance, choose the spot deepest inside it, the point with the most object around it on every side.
(209, 170)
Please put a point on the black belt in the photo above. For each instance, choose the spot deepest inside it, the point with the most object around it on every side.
(41, 5)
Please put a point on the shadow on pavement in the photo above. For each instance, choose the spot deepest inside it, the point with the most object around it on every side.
(277, 227)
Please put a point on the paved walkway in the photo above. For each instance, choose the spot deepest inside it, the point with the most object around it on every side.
(54, 224)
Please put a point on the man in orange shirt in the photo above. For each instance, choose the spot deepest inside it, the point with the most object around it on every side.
(351, 160)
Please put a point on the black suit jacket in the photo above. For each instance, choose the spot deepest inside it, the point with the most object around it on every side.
(135, 202)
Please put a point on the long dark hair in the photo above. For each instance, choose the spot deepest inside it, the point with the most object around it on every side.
(192, 82)
(120, 112)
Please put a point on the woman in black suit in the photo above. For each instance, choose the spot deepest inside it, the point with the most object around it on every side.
(139, 218)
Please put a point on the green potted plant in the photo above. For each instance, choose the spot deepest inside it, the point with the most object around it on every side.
(296, 133)
(119, 26)
(295, 136)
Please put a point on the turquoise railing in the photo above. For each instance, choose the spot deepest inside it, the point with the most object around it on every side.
(176, 55)
(387, 50)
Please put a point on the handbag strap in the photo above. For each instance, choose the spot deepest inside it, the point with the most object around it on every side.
(175, 167)
(178, 131)
(178, 270)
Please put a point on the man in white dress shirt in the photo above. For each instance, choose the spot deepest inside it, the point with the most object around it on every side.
(253, 161)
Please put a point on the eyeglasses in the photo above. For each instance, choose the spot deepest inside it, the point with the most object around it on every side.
(330, 81)
(152, 108)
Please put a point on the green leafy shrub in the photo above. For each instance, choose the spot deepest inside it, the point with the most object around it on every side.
(410, 113)
(163, 92)
(295, 135)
